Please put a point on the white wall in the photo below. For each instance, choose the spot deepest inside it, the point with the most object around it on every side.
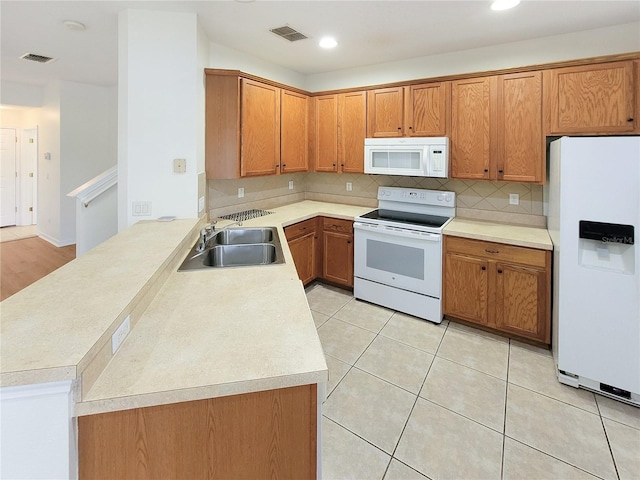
(87, 144)
(12, 93)
(225, 57)
(590, 43)
(48, 121)
(157, 113)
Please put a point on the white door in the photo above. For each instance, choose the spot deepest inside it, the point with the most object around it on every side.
(8, 177)
(27, 177)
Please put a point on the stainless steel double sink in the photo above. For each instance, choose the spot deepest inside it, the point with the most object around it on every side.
(237, 247)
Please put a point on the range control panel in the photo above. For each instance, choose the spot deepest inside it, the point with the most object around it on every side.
(417, 195)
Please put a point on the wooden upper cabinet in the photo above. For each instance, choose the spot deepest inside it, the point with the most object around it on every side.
(294, 132)
(385, 114)
(326, 133)
(471, 127)
(426, 109)
(520, 142)
(340, 130)
(352, 130)
(260, 134)
(591, 99)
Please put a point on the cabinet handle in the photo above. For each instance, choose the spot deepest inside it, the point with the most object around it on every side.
(499, 271)
(499, 171)
(491, 251)
(483, 268)
(284, 165)
(348, 242)
(629, 119)
(486, 170)
(399, 128)
(410, 128)
(342, 165)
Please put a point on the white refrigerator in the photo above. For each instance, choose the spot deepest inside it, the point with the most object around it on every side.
(593, 215)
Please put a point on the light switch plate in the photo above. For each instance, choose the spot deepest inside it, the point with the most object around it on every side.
(141, 209)
(240, 192)
(514, 199)
(200, 204)
(290, 184)
(349, 186)
(120, 334)
(179, 165)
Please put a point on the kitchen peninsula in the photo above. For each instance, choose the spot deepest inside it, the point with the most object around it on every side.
(195, 336)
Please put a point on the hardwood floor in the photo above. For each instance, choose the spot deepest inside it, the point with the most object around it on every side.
(26, 261)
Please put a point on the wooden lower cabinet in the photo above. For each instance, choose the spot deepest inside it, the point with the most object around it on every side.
(305, 246)
(504, 287)
(269, 434)
(322, 247)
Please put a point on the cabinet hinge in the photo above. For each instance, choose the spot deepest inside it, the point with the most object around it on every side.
(31, 209)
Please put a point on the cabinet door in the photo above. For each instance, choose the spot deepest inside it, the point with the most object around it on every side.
(471, 127)
(337, 265)
(385, 112)
(466, 288)
(326, 133)
(294, 132)
(520, 154)
(260, 135)
(352, 130)
(426, 109)
(303, 251)
(591, 99)
(521, 301)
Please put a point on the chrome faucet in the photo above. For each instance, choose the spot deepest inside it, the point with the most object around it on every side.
(209, 231)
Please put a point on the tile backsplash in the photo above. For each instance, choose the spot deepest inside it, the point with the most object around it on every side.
(482, 200)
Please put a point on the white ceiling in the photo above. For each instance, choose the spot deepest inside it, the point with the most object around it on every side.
(368, 32)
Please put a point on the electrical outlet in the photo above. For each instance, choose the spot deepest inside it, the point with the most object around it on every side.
(290, 184)
(120, 334)
(179, 165)
(200, 204)
(514, 199)
(349, 186)
(240, 192)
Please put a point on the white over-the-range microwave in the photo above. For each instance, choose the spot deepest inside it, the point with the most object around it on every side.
(408, 156)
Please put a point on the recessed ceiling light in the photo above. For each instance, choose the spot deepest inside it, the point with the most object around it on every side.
(328, 42)
(504, 4)
(75, 26)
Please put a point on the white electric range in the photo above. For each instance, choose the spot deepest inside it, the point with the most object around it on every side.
(398, 250)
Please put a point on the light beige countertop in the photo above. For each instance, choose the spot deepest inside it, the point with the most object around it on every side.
(522, 236)
(206, 333)
(53, 328)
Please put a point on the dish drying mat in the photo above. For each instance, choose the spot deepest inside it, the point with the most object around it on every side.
(246, 215)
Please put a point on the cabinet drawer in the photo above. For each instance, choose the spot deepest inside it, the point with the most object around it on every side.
(301, 228)
(337, 225)
(497, 251)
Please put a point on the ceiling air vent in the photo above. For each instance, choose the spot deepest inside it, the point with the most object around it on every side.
(288, 33)
(36, 58)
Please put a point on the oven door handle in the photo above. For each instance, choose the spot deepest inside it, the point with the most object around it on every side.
(397, 232)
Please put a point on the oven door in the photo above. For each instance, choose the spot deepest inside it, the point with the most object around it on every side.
(402, 258)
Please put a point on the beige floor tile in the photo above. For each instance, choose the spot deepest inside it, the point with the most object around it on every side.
(442, 444)
(337, 371)
(414, 331)
(345, 456)
(371, 408)
(538, 373)
(625, 444)
(327, 300)
(477, 331)
(563, 431)
(525, 463)
(8, 234)
(618, 411)
(364, 315)
(319, 318)
(396, 362)
(399, 471)
(525, 346)
(344, 341)
(474, 394)
(475, 351)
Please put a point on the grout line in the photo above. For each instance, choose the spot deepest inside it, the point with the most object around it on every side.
(504, 417)
(556, 399)
(606, 436)
(554, 457)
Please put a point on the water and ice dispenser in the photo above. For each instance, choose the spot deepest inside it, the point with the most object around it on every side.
(607, 246)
